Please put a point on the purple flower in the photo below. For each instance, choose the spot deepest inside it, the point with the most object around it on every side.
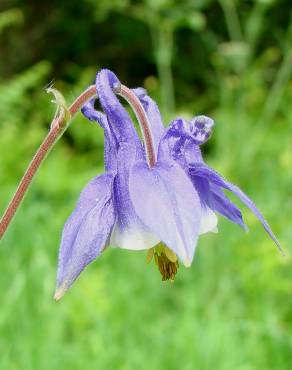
(181, 141)
(106, 213)
(135, 206)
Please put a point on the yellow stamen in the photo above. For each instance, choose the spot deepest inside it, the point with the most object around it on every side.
(166, 261)
(170, 254)
(150, 254)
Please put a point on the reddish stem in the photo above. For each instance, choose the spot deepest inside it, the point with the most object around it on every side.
(137, 107)
(57, 129)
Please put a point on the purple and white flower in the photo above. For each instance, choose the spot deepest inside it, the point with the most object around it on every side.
(136, 206)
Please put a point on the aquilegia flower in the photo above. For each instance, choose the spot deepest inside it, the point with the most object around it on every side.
(161, 206)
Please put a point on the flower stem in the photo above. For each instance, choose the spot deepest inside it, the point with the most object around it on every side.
(141, 115)
(56, 131)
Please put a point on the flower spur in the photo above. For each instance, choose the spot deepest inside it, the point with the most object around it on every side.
(162, 204)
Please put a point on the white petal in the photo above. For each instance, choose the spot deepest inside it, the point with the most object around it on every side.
(133, 238)
(208, 221)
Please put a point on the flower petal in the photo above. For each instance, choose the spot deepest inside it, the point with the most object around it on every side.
(119, 119)
(214, 178)
(166, 201)
(201, 129)
(110, 142)
(209, 221)
(86, 232)
(221, 204)
(129, 232)
(177, 142)
(213, 197)
(134, 237)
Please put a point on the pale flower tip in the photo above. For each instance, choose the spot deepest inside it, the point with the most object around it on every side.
(214, 230)
(60, 292)
(281, 251)
(245, 228)
(187, 263)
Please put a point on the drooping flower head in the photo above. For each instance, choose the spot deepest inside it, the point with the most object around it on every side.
(162, 203)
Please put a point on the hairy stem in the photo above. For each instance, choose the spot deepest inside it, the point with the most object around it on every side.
(56, 131)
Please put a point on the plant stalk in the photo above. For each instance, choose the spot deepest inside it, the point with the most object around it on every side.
(56, 131)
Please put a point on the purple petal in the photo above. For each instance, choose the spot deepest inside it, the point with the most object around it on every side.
(129, 232)
(87, 230)
(118, 118)
(153, 115)
(166, 201)
(110, 142)
(220, 203)
(212, 196)
(203, 188)
(193, 153)
(201, 129)
(178, 143)
(214, 178)
(92, 114)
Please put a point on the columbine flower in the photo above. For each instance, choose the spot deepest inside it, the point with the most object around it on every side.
(106, 214)
(181, 141)
(160, 203)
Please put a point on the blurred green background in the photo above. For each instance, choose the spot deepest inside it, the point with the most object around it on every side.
(228, 59)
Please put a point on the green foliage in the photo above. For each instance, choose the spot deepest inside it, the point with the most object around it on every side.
(18, 91)
(232, 308)
(10, 17)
